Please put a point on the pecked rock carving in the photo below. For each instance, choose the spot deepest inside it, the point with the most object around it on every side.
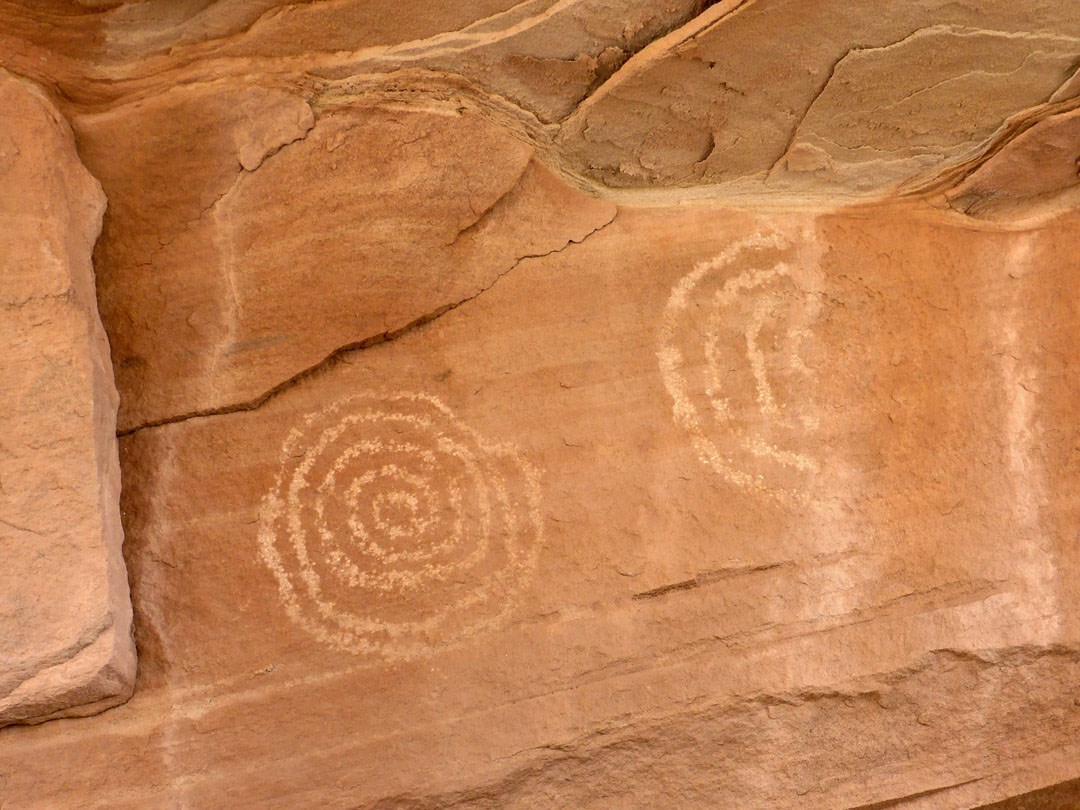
(393, 528)
(730, 347)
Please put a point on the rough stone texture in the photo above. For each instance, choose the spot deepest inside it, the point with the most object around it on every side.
(65, 615)
(218, 286)
(517, 410)
(907, 630)
(795, 98)
(1033, 175)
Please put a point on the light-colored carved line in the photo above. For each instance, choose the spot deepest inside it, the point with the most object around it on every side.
(306, 555)
(672, 364)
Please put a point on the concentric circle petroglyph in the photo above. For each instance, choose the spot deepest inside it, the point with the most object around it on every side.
(392, 528)
(731, 359)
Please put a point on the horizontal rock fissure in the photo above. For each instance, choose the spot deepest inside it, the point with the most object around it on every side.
(336, 355)
(707, 578)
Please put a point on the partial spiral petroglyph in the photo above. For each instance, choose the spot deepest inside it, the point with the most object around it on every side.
(393, 529)
(731, 357)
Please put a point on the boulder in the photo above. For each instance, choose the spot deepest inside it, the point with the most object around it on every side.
(65, 613)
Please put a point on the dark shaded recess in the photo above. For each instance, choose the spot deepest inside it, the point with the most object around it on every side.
(1063, 796)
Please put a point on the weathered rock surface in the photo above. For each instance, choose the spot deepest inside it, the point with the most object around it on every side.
(518, 412)
(218, 285)
(793, 98)
(65, 616)
(1034, 174)
(855, 583)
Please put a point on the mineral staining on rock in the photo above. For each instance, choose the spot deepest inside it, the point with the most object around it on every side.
(65, 616)
(517, 411)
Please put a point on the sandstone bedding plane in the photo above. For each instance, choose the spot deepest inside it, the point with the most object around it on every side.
(586, 404)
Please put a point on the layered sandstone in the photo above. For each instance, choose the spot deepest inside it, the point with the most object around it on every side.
(582, 404)
(65, 615)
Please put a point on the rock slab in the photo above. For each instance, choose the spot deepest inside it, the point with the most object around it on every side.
(587, 404)
(66, 645)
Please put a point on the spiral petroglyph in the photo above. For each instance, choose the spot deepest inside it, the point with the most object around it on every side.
(393, 529)
(731, 357)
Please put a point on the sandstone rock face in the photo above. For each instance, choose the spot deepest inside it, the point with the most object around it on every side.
(65, 615)
(404, 238)
(582, 404)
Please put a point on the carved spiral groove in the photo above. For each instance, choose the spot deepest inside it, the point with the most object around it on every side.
(730, 355)
(394, 529)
